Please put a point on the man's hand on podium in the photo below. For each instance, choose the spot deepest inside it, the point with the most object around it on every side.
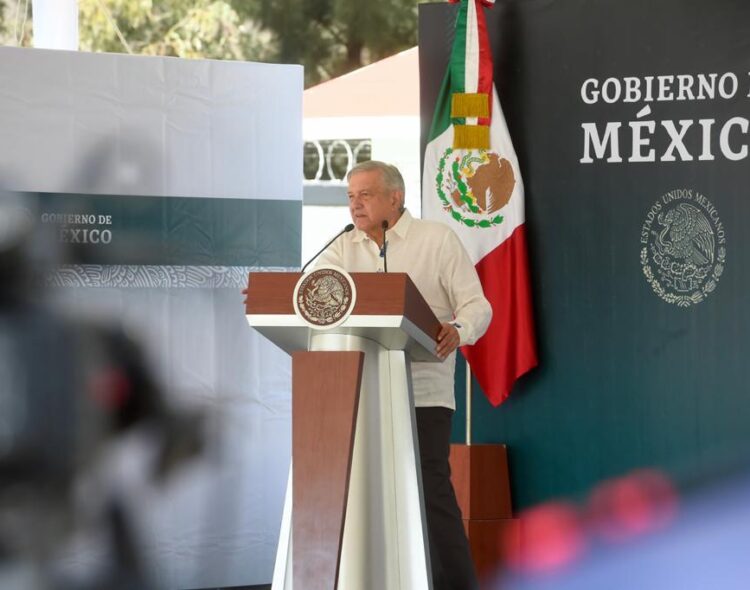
(245, 292)
(448, 340)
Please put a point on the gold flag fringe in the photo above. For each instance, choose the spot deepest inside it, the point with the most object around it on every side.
(474, 104)
(471, 137)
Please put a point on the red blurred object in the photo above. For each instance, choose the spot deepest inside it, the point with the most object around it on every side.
(552, 536)
(110, 388)
(638, 503)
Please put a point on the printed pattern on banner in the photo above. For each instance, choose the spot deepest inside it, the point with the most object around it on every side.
(141, 276)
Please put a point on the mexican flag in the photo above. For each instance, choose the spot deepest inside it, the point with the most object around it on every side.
(472, 183)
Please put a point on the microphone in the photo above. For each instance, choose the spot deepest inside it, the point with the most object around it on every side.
(383, 250)
(348, 228)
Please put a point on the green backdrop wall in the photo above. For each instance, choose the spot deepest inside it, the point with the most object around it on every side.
(632, 373)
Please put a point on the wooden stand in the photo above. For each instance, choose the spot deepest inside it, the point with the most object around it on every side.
(328, 400)
(480, 477)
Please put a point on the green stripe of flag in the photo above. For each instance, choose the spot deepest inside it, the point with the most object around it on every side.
(455, 76)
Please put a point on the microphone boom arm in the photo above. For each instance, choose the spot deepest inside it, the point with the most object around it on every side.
(347, 229)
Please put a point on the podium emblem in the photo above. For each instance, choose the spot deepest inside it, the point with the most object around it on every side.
(325, 297)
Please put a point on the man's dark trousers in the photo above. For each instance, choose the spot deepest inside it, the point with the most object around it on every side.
(452, 567)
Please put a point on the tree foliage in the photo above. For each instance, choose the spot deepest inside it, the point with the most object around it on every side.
(332, 37)
(15, 26)
(182, 28)
(328, 37)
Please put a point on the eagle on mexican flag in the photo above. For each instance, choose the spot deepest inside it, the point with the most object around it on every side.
(472, 183)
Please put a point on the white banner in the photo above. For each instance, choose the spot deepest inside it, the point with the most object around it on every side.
(83, 125)
(119, 124)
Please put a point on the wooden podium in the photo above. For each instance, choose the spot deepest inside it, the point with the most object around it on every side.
(354, 510)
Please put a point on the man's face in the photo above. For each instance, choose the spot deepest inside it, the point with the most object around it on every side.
(371, 202)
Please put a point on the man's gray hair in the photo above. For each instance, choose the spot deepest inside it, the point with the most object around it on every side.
(390, 174)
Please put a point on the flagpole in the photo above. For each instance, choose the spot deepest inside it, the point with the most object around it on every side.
(468, 405)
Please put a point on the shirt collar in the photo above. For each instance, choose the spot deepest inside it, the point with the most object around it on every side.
(402, 225)
(400, 229)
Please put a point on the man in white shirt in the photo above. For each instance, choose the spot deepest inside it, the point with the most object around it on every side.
(433, 257)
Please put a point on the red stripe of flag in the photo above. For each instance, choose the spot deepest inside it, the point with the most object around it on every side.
(508, 348)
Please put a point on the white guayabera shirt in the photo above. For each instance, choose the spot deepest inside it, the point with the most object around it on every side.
(433, 257)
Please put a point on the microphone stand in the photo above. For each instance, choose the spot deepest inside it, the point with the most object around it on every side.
(383, 250)
(348, 228)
